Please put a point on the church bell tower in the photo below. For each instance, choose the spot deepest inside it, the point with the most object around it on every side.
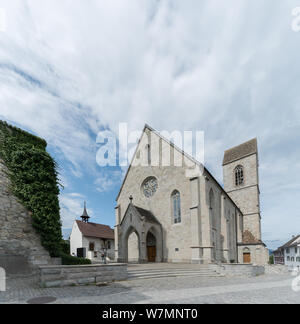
(85, 217)
(241, 182)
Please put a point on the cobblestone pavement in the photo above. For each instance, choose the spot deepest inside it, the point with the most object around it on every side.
(263, 289)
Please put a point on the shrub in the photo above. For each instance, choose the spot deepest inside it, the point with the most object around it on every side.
(71, 260)
(65, 247)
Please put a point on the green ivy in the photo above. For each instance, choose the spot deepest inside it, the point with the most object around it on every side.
(34, 181)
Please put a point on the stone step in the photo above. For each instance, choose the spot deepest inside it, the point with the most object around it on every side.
(169, 272)
(178, 270)
(171, 268)
(151, 273)
(174, 274)
(170, 275)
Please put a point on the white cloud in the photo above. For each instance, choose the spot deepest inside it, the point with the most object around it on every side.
(71, 208)
(108, 180)
(230, 69)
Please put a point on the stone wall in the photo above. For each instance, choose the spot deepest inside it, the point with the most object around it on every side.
(276, 269)
(20, 247)
(236, 269)
(59, 276)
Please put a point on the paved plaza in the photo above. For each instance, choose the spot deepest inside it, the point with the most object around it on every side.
(190, 289)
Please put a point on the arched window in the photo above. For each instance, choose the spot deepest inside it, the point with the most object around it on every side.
(176, 206)
(212, 209)
(229, 234)
(213, 223)
(239, 175)
(148, 154)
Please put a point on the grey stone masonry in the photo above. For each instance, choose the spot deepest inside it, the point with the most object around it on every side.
(237, 269)
(60, 276)
(20, 246)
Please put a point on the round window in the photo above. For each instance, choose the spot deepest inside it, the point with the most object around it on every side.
(149, 187)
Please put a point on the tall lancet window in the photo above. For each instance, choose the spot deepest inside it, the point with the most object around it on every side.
(148, 154)
(239, 175)
(213, 219)
(176, 205)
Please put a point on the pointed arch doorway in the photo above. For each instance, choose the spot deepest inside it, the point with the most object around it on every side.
(147, 245)
(151, 247)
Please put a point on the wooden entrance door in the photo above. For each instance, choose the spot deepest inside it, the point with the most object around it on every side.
(151, 250)
(247, 257)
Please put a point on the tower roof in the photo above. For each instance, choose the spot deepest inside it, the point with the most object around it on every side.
(240, 151)
(85, 216)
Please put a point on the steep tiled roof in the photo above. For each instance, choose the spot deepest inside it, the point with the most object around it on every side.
(95, 230)
(248, 238)
(240, 151)
(291, 243)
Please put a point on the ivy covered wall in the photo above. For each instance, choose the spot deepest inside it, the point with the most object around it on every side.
(33, 176)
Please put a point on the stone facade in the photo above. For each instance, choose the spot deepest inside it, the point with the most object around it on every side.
(237, 270)
(246, 195)
(211, 223)
(20, 246)
(60, 276)
(143, 224)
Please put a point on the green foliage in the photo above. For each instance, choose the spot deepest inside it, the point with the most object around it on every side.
(65, 246)
(71, 260)
(33, 176)
(271, 259)
(21, 135)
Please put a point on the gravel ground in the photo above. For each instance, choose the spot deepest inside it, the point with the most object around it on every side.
(270, 289)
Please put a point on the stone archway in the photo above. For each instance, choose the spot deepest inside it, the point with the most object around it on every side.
(144, 224)
(133, 248)
(130, 241)
(151, 247)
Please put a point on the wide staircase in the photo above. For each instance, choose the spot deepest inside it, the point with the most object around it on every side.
(167, 270)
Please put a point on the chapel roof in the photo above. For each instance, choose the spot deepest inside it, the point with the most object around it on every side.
(95, 230)
(240, 151)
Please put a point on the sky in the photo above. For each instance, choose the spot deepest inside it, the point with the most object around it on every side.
(72, 68)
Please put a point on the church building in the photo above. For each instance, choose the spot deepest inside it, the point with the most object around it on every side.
(91, 240)
(178, 212)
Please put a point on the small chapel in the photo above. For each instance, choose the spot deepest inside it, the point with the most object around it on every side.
(181, 213)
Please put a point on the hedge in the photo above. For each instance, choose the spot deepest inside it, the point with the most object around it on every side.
(71, 260)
